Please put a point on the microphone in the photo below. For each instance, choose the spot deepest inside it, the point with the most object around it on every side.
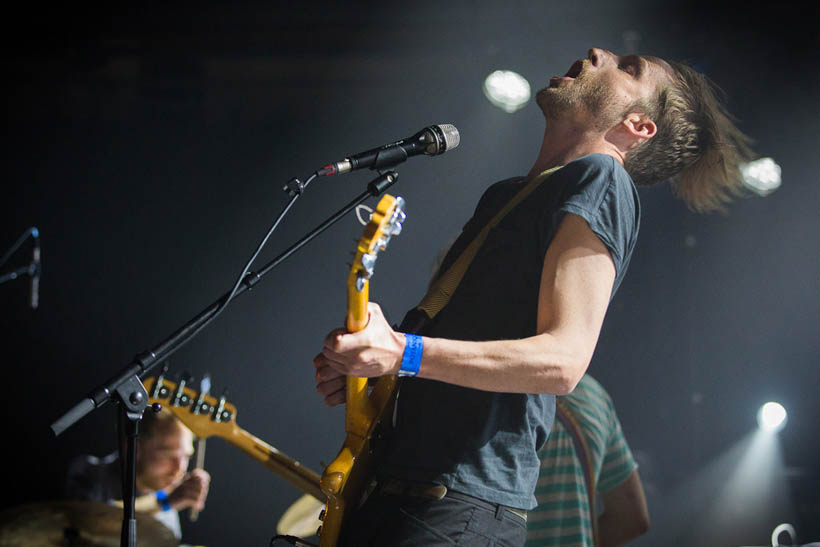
(432, 140)
(34, 270)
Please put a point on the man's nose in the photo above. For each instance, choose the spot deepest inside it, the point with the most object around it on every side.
(598, 56)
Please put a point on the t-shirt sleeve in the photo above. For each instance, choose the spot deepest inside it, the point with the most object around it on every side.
(599, 190)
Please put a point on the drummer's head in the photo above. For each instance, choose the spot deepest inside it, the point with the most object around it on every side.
(163, 450)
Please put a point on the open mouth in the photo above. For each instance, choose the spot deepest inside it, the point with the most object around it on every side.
(575, 69)
(573, 72)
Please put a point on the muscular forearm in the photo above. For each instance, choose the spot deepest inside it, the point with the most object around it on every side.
(538, 364)
(551, 362)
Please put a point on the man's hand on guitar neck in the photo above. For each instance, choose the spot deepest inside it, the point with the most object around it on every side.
(374, 351)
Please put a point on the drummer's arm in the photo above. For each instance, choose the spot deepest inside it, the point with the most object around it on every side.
(191, 492)
(143, 504)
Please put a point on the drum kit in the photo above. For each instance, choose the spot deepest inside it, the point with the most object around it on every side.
(76, 524)
(93, 524)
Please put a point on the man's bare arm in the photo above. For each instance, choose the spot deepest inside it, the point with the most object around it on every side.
(576, 283)
(625, 515)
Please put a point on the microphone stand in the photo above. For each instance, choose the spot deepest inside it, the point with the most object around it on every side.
(22, 270)
(126, 388)
(31, 269)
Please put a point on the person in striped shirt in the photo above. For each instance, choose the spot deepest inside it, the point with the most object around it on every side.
(564, 515)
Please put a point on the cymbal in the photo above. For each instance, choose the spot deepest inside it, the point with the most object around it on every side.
(301, 519)
(76, 524)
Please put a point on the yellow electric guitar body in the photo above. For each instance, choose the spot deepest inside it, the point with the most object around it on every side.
(346, 479)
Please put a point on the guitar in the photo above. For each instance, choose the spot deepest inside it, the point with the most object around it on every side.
(205, 416)
(346, 479)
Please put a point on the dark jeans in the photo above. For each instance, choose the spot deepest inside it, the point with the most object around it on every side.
(403, 521)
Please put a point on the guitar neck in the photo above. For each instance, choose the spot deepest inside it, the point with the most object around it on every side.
(284, 466)
(359, 410)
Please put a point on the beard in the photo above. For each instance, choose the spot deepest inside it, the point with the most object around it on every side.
(585, 94)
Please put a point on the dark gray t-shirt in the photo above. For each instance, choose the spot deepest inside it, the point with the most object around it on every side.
(483, 443)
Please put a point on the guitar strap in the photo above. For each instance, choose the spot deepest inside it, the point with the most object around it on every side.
(567, 418)
(442, 290)
(445, 286)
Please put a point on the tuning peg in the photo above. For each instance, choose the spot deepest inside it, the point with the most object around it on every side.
(156, 408)
(200, 406)
(368, 262)
(220, 413)
(159, 386)
(180, 398)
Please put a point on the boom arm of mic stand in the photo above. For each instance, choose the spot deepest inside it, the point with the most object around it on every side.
(147, 360)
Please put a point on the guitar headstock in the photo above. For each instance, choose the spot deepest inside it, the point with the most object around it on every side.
(385, 222)
(203, 414)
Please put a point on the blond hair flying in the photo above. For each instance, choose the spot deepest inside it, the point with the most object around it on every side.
(697, 146)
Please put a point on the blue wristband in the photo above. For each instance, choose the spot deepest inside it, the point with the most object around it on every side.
(411, 359)
(162, 500)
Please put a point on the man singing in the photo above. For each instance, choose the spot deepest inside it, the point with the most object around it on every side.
(513, 319)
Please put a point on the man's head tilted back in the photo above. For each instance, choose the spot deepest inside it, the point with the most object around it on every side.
(663, 119)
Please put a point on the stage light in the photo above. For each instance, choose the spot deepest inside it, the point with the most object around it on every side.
(771, 417)
(507, 90)
(781, 528)
(761, 176)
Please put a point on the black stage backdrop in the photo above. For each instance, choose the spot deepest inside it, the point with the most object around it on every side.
(149, 145)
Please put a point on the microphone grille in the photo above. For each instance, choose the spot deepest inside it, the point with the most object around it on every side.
(451, 136)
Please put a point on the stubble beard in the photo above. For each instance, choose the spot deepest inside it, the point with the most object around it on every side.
(592, 98)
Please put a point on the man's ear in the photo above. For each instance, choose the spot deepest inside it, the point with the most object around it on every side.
(640, 126)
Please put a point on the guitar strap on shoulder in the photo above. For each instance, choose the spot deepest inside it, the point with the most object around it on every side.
(567, 418)
(440, 292)
(445, 286)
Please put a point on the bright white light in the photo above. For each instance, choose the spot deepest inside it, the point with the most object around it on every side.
(779, 529)
(507, 90)
(771, 417)
(761, 176)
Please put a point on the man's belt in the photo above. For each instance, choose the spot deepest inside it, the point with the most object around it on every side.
(397, 487)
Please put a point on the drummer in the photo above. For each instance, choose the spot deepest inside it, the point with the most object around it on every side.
(164, 486)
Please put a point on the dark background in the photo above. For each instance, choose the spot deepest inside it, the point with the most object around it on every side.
(149, 145)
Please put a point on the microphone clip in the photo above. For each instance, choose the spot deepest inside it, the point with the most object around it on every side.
(294, 187)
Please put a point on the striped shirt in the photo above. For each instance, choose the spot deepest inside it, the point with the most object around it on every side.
(563, 513)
